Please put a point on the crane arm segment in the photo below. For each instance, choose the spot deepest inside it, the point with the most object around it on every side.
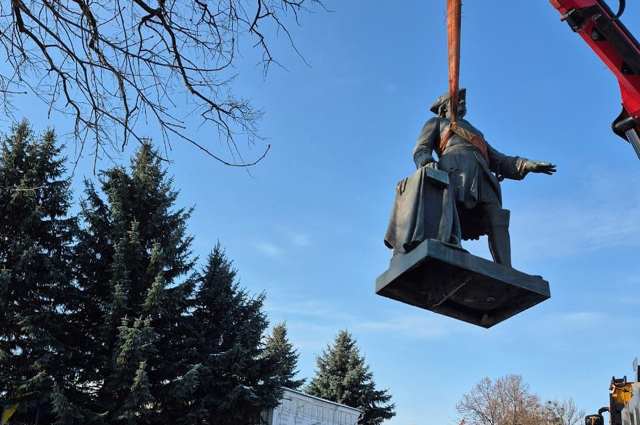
(607, 36)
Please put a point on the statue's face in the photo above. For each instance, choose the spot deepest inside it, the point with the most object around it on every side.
(462, 108)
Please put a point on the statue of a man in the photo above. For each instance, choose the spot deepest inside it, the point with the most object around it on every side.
(471, 162)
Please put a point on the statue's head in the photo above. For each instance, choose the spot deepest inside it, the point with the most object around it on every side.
(441, 106)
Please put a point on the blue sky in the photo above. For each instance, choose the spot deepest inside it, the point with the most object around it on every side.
(306, 224)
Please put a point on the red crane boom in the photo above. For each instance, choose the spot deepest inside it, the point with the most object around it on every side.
(605, 34)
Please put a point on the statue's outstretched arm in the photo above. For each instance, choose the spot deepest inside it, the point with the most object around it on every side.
(516, 167)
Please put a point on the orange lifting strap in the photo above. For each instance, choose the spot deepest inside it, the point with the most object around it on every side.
(454, 15)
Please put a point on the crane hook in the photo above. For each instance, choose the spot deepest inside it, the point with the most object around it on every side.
(621, 8)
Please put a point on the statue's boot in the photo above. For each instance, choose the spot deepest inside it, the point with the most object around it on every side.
(499, 239)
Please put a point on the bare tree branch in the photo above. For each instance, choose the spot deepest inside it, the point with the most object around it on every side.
(563, 412)
(507, 401)
(115, 65)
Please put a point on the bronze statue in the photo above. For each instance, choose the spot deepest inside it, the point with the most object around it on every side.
(471, 162)
(452, 197)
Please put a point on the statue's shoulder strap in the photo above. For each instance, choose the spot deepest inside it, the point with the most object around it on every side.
(443, 139)
(471, 137)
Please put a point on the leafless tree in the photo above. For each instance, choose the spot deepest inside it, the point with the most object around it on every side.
(507, 401)
(563, 412)
(113, 65)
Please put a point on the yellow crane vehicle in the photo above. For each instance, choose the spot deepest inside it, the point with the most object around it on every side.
(624, 402)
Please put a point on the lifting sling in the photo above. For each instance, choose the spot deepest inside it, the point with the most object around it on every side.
(454, 15)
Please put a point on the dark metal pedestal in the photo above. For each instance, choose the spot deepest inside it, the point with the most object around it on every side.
(450, 281)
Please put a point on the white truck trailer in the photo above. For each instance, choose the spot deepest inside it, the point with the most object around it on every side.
(297, 408)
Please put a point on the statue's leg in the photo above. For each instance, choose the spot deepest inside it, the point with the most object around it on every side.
(497, 221)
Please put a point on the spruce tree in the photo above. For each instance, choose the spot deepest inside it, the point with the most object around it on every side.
(280, 350)
(342, 376)
(235, 381)
(132, 252)
(36, 293)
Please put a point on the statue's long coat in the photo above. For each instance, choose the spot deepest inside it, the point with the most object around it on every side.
(423, 210)
(472, 180)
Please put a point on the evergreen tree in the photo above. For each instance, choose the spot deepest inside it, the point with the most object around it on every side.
(342, 376)
(132, 251)
(36, 294)
(281, 351)
(235, 382)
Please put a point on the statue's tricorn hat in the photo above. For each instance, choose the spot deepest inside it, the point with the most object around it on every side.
(435, 108)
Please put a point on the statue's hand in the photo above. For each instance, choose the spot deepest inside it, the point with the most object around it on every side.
(432, 164)
(429, 162)
(539, 167)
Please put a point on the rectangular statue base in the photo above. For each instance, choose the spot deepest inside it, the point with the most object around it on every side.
(450, 281)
